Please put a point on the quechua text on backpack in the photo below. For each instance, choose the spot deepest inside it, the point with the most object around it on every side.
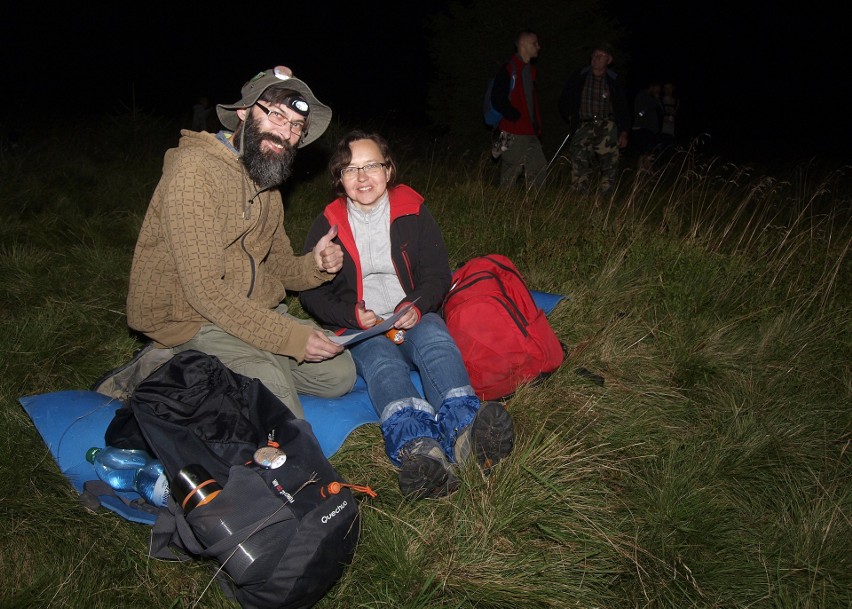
(281, 522)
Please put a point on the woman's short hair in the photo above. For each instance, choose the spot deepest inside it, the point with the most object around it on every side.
(342, 156)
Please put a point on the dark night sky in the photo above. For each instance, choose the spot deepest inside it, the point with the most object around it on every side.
(767, 78)
(763, 78)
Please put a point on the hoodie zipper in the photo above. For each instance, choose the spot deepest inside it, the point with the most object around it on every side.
(259, 226)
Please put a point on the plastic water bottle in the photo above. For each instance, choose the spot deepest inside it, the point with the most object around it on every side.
(131, 470)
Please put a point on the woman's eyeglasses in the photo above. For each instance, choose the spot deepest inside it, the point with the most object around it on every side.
(370, 169)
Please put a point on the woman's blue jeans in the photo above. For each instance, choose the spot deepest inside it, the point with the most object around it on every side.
(385, 367)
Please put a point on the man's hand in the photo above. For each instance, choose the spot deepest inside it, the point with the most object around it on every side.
(320, 348)
(328, 255)
(622, 139)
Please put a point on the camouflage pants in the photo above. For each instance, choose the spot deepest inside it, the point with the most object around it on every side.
(594, 140)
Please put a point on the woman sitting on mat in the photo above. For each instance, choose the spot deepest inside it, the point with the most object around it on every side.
(394, 255)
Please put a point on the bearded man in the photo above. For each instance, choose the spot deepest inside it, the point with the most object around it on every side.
(213, 261)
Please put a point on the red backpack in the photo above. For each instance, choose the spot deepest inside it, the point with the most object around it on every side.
(504, 338)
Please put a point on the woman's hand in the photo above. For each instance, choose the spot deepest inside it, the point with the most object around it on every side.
(408, 320)
(367, 318)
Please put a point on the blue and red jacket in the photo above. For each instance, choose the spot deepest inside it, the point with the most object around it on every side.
(510, 100)
(417, 251)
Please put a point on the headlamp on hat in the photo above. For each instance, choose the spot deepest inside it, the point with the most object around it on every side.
(301, 100)
(298, 104)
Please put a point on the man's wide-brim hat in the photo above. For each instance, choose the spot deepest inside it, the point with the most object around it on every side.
(319, 115)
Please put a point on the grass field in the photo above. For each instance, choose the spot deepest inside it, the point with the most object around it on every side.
(711, 468)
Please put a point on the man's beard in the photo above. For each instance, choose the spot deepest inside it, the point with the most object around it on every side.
(265, 168)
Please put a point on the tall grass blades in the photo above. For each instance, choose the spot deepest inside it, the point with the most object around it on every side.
(692, 451)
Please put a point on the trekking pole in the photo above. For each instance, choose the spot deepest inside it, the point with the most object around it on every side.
(558, 150)
(544, 171)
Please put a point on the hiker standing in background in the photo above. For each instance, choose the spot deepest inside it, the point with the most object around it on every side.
(394, 256)
(213, 260)
(514, 96)
(670, 108)
(647, 122)
(594, 105)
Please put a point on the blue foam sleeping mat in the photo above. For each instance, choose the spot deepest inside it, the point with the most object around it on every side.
(70, 422)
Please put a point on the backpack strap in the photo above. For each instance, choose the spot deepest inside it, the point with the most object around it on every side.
(93, 490)
(172, 537)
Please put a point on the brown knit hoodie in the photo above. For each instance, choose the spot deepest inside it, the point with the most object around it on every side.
(207, 255)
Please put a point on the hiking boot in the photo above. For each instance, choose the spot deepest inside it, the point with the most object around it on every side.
(490, 437)
(425, 473)
(119, 383)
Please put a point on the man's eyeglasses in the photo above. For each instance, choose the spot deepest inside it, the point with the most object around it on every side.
(276, 118)
(370, 169)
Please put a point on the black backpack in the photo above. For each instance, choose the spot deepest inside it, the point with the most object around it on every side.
(283, 534)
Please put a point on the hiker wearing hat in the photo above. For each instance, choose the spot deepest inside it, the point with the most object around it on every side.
(213, 260)
(594, 105)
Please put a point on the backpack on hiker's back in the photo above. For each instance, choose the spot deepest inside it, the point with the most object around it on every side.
(504, 338)
(491, 115)
(251, 487)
